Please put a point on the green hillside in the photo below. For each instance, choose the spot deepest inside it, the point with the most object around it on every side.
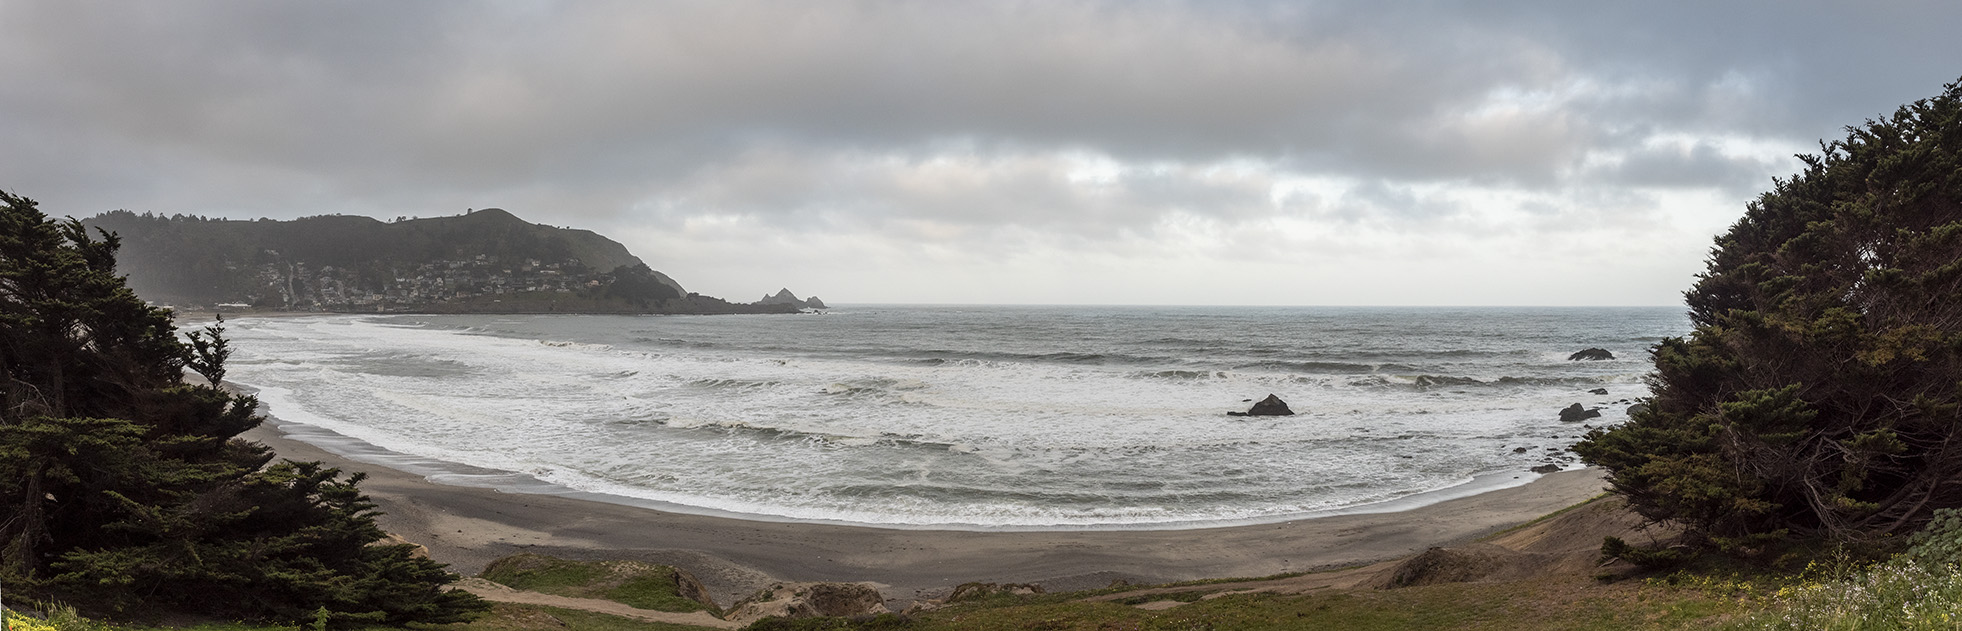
(485, 260)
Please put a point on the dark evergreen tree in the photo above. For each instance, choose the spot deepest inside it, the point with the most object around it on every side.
(1819, 394)
(122, 488)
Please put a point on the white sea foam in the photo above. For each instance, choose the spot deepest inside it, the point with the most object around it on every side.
(984, 417)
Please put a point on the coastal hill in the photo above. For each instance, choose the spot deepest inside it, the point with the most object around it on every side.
(481, 261)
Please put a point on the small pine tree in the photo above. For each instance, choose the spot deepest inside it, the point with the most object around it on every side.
(126, 489)
(1820, 394)
(209, 350)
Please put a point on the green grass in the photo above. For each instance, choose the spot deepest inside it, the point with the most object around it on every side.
(653, 591)
(547, 575)
(1898, 594)
(1529, 606)
(511, 617)
(634, 584)
(1542, 605)
(502, 617)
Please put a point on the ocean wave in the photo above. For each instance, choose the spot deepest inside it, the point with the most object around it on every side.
(787, 434)
(672, 342)
(1178, 375)
(1424, 383)
(735, 384)
(576, 345)
(1008, 357)
(874, 385)
(1011, 416)
(400, 365)
(1318, 367)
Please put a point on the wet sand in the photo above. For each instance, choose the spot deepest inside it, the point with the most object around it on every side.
(468, 527)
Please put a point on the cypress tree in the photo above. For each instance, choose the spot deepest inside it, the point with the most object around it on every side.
(1820, 393)
(124, 489)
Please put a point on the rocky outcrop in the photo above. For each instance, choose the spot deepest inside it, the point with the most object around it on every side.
(808, 600)
(1592, 354)
(1575, 413)
(1546, 468)
(1598, 391)
(784, 297)
(416, 550)
(1270, 406)
(689, 587)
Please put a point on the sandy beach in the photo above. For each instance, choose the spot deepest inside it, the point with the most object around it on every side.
(468, 527)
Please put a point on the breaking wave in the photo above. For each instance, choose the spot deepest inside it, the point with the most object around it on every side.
(990, 417)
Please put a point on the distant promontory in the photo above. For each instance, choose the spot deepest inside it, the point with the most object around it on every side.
(483, 261)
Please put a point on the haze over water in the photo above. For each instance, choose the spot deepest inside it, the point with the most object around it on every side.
(969, 416)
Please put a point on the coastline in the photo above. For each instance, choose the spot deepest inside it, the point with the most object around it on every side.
(467, 526)
(456, 474)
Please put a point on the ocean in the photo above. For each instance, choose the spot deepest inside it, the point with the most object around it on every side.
(987, 417)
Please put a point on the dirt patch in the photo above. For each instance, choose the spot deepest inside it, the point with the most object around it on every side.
(1450, 565)
(499, 593)
(1563, 546)
(1566, 544)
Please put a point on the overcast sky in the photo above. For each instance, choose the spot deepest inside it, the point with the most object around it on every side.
(1300, 153)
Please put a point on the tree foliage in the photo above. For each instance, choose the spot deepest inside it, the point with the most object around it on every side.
(1820, 393)
(123, 488)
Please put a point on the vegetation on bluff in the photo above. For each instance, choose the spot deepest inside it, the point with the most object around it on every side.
(341, 263)
(1820, 394)
(125, 490)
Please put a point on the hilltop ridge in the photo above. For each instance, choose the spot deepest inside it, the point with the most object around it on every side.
(487, 260)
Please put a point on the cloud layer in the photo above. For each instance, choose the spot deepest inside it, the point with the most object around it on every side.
(1102, 152)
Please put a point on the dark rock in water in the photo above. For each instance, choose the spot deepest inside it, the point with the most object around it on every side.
(1519, 450)
(1546, 468)
(1575, 413)
(784, 297)
(1592, 354)
(1270, 406)
(1598, 391)
(1637, 409)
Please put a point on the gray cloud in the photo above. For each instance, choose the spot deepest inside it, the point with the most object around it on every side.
(983, 127)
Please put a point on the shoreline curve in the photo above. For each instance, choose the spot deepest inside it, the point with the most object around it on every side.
(458, 474)
(469, 526)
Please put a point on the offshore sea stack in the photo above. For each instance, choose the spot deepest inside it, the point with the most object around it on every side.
(1592, 354)
(784, 297)
(1575, 413)
(1270, 406)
